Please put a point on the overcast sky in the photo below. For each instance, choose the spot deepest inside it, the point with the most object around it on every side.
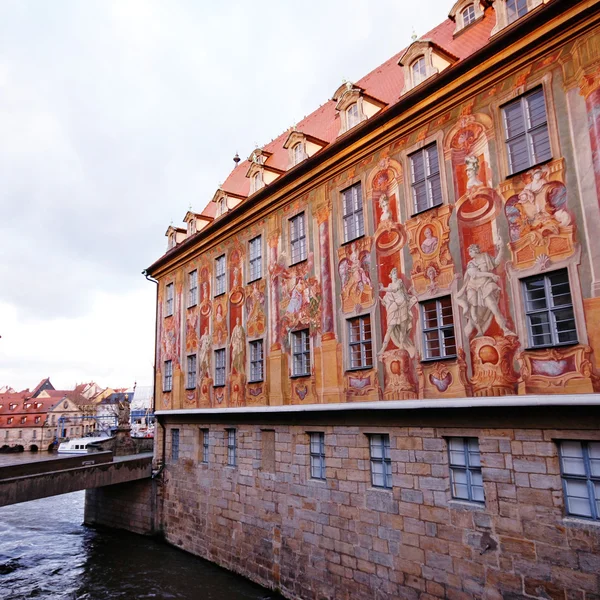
(116, 116)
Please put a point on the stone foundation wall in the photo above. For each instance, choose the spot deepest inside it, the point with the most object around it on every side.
(129, 506)
(344, 539)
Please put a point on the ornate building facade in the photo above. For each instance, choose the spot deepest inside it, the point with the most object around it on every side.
(425, 241)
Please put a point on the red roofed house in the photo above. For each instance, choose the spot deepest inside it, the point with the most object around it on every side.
(378, 345)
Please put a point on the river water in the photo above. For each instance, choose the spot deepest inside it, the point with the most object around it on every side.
(46, 553)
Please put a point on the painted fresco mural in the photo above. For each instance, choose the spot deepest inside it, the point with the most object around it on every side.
(490, 232)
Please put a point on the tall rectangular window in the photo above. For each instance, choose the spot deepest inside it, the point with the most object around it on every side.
(205, 444)
(516, 9)
(256, 360)
(580, 467)
(465, 469)
(193, 288)
(220, 276)
(359, 342)
(438, 328)
(174, 445)
(381, 462)
(425, 177)
(170, 289)
(255, 258)
(168, 376)
(300, 352)
(317, 455)
(549, 310)
(526, 131)
(191, 372)
(220, 367)
(298, 239)
(352, 204)
(231, 447)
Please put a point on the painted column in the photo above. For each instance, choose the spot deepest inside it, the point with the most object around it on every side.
(327, 326)
(590, 90)
(274, 291)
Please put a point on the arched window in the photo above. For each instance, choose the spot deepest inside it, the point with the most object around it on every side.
(298, 153)
(516, 9)
(221, 207)
(468, 15)
(257, 181)
(419, 71)
(352, 115)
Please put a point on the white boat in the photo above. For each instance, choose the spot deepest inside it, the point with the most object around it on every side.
(80, 445)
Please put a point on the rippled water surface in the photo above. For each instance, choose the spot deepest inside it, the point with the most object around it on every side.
(46, 553)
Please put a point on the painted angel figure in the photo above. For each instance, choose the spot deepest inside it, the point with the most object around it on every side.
(398, 303)
(480, 293)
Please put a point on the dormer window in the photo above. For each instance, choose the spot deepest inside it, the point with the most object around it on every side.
(516, 9)
(298, 153)
(221, 206)
(468, 15)
(352, 115)
(192, 226)
(257, 181)
(419, 71)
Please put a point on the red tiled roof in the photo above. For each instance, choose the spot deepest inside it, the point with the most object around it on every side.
(384, 83)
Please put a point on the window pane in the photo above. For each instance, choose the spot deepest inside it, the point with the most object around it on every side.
(418, 167)
(536, 106)
(460, 488)
(432, 160)
(578, 501)
(518, 156)
(572, 457)
(514, 122)
(536, 294)
(446, 311)
(540, 145)
(449, 342)
(435, 190)
(420, 196)
(539, 326)
(594, 451)
(432, 344)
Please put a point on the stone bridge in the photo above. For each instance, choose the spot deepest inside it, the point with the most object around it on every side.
(43, 478)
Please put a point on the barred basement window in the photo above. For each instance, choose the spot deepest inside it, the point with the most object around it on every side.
(465, 469)
(220, 367)
(205, 441)
(298, 239)
(256, 361)
(352, 204)
(191, 372)
(526, 131)
(438, 328)
(255, 260)
(425, 175)
(516, 9)
(168, 376)
(174, 445)
(359, 342)
(193, 288)
(300, 352)
(220, 287)
(549, 310)
(170, 300)
(381, 462)
(231, 447)
(580, 467)
(317, 455)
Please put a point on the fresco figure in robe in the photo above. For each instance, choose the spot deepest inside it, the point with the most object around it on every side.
(205, 351)
(480, 292)
(238, 347)
(430, 242)
(398, 303)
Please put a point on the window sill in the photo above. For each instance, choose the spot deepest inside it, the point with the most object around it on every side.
(517, 173)
(577, 521)
(191, 387)
(466, 505)
(167, 316)
(355, 369)
(219, 385)
(358, 237)
(256, 380)
(167, 391)
(192, 305)
(300, 376)
(378, 488)
(254, 280)
(549, 347)
(439, 359)
(219, 295)
(299, 262)
(420, 212)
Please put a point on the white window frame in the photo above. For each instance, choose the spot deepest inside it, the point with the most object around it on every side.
(353, 212)
(364, 343)
(255, 259)
(352, 115)
(470, 10)
(316, 441)
(193, 288)
(257, 358)
(170, 299)
(301, 353)
(380, 460)
(191, 375)
(464, 459)
(418, 70)
(297, 153)
(550, 310)
(220, 367)
(220, 275)
(514, 5)
(439, 328)
(168, 376)
(205, 444)
(430, 177)
(231, 447)
(258, 181)
(298, 241)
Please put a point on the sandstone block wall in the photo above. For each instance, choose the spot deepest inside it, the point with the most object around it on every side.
(343, 539)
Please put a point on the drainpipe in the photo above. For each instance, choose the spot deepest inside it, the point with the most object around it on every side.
(164, 434)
